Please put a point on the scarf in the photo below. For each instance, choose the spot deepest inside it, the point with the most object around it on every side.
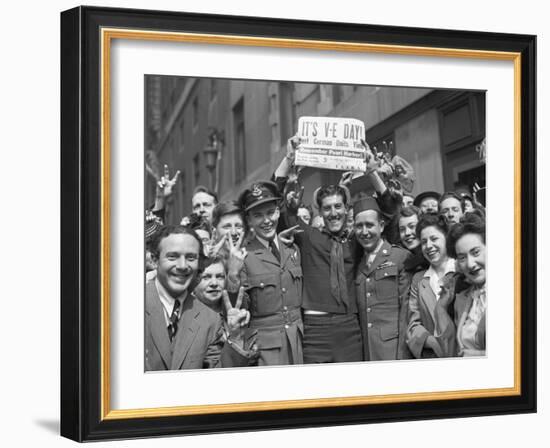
(338, 282)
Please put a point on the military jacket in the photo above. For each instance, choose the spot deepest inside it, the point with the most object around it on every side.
(274, 299)
(382, 298)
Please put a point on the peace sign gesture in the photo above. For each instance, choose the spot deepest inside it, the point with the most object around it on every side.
(165, 185)
(214, 249)
(236, 318)
(237, 254)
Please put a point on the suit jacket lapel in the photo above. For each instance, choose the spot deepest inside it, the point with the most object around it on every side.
(188, 327)
(158, 327)
(425, 291)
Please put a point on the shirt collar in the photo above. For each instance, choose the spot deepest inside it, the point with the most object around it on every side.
(265, 243)
(449, 267)
(167, 300)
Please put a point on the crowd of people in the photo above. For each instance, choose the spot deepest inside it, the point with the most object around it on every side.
(263, 280)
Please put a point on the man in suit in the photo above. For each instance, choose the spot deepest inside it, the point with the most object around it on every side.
(382, 285)
(271, 273)
(181, 332)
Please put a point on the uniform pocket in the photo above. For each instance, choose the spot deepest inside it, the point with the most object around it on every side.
(385, 281)
(388, 332)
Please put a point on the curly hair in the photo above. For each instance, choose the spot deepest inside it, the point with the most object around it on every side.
(470, 224)
(331, 190)
(431, 220)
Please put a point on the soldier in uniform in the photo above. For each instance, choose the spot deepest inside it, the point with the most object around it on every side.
(272, 276)
(382, 285)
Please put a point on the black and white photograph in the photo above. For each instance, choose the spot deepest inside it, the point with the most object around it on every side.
(291, 223)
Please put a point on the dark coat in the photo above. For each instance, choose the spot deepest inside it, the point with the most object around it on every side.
(315, 247)
(382, 299)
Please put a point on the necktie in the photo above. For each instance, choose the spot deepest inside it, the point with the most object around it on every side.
(174, 317)
(275, 251)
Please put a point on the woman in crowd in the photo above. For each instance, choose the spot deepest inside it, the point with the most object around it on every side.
(407, 221)
(463, 333)
(431, 230)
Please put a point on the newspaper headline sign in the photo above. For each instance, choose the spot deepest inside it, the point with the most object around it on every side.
(332, 143)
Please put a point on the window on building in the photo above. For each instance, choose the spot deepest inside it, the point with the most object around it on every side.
(195, 111)
(183, 192)
(239, 141)
(337, 94)
(181, 143)
(287, 111)
(196, 169)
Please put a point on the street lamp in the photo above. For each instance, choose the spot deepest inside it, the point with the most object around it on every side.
(213, 155)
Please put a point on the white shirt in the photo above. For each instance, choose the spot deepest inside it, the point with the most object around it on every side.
(435, 281)
(168, 301)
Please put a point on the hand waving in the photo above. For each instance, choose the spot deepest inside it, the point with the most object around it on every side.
(294, 198)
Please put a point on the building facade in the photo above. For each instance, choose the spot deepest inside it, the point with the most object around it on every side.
(225, 134)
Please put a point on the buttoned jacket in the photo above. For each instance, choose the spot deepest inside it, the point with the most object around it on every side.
(274, 296)
(382, 300)
(199, 341)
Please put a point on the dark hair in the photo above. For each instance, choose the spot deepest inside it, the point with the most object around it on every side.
(331, 190)
(199, 222)
(451, 194)
(224, 209)
(431, 220)
(201, 189)
(407, 212)
(166, 231)
(471, 223)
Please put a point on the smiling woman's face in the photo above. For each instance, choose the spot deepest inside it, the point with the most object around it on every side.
(432, 242)
(213, 282)
(470, 257)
